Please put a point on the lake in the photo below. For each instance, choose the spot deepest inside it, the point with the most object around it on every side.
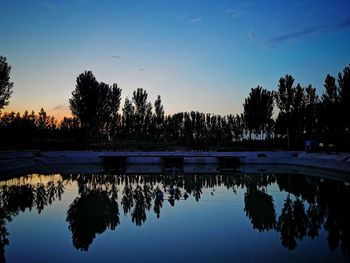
(238, 216)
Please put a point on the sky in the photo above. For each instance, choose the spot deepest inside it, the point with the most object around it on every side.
(198, 55)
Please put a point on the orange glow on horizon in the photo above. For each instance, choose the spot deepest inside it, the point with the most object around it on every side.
(57, 114)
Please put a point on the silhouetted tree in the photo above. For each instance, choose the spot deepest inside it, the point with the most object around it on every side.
(128, 117)
(297, 119)
(142, 111)
(330, 94)
(5, 84)
(70, 123)
(95, 104)
(284, 100)
(328, 109)
(238, 127)
(114, 118)
(258, 109)
(158, 116)
(43, 120)
(311, 117)
(344, 95)
(103, 108)
(85, 98)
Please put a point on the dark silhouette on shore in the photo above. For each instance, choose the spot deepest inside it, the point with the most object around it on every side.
(99, 123)
(5, 84)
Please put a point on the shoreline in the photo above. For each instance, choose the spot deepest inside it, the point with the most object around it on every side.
(16, 161)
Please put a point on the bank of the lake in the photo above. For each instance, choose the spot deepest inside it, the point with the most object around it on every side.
(18, 161)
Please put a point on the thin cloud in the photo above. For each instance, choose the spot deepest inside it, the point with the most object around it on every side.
(234, 13)
(116, 57)
(295, 34)
(150, 53)
(195, 19)
(141, 69)
(189, 19)
(241, 8)
(344, 24)
(48, 5)
(309, 31)
(247, 3)
(182, 17)
(251, 36)
(146, 44)
(59, 107)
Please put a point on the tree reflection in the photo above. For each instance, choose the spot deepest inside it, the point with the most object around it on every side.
(315, 219)
(292, 223)
(41, 197)
(260, 209)
(158, 201)
(311, 205)
(91, 214)
(138, 214)
(286, 225)
(259, 206)
(3, 236)
(334, 199)
(15, 198)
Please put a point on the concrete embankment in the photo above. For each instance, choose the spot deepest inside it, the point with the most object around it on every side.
(90, 160)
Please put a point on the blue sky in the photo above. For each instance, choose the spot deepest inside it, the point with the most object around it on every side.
(198, 55)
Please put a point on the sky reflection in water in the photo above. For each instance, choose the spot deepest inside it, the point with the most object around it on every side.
(105, 217)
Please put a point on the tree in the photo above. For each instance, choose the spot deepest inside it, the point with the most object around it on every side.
(284, 100)
(238, 127)
(95, 104)
(344, 95)
(311, 101)
(284, 96)
(70, 124)
(333, 122)
(103, 108)
(329, 107)
(114, 99)
(128, 117)
(142, 111)
(258, 109)
(330, 95)
(297, 111)
(43, 120)
(5, 84)
(84, 101)
(158, 116)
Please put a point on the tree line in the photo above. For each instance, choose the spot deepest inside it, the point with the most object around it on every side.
(282, 118)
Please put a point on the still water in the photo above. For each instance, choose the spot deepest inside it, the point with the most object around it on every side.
(235, 217)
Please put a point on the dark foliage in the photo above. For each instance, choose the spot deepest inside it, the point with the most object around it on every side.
(258, 110)
(98, 123)
(5, 84)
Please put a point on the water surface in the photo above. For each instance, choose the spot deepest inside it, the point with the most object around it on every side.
(174, 218)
